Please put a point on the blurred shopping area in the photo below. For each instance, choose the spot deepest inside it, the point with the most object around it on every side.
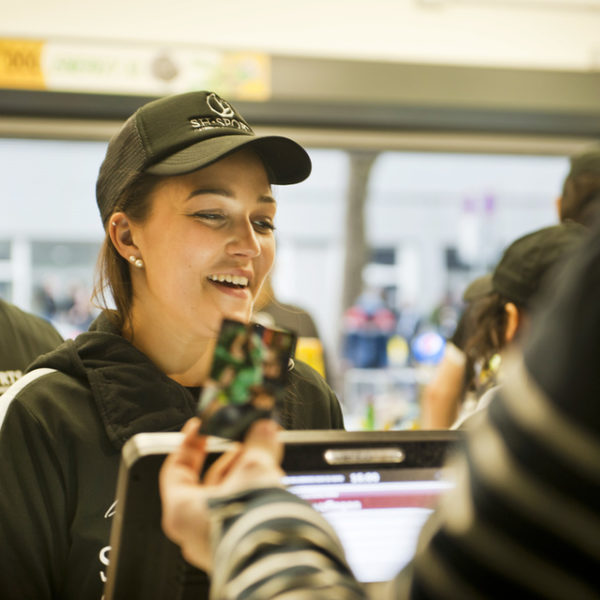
(425, 164)
(429, 223)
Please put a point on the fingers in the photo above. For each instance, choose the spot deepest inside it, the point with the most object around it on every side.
(191, 425)
(183, 465)
(192, 451)
(221, 467)
(261, 439)
(253, 464)
(263, 435)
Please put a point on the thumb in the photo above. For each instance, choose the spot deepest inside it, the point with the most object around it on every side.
(185, 463)
(262, 435)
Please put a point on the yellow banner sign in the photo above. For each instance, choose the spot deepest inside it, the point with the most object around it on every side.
(140, 69)
(21, 64)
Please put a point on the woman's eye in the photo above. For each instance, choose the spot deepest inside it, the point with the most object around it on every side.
(214, 217)
(263, 226)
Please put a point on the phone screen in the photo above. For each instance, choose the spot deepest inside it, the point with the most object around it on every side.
(247, 377)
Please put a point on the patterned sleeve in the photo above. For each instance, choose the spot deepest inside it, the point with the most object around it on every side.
(270, 544)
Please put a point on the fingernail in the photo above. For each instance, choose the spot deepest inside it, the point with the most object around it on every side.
(266, 426)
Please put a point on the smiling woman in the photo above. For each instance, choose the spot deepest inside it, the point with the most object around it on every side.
(206, 246)
(185, 197)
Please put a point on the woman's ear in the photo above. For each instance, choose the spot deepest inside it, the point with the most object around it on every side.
(558, 205)
(513, 319)
(119, 229)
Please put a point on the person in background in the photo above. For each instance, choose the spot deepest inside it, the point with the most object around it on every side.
(503, 315)
(444, 395)
(23, 337)
(185, 197)
(270, 312)
(580, 198)
(579, 202)
(368, 326)
(521, 521)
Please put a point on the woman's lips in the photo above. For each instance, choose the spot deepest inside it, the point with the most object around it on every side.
(231, 290)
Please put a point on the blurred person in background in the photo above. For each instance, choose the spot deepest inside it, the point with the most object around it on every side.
(445, 393)
(580, 198)
(502, 316)
(186, 201)
(579, 202)
(368, 326)
(521, 522)
(23, 337)
(271, 312)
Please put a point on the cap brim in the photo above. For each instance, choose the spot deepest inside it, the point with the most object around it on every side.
(285, 160)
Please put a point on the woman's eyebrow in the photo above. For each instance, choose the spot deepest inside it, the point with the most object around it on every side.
(227, 194)
(210, 191)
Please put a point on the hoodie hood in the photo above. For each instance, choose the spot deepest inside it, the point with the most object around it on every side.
(131, 394)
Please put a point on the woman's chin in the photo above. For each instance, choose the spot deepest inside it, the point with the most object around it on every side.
(238, 315)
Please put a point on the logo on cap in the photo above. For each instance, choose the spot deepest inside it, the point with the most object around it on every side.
(219, 106)
(226, 118)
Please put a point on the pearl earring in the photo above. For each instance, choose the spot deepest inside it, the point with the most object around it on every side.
(138, 262)
(114, 223)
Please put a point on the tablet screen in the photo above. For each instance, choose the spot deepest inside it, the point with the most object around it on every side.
(377, 514)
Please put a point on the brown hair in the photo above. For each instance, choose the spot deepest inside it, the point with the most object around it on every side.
(112, 270)
(489, 327)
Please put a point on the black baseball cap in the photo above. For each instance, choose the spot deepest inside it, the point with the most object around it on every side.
(525, 263)
(184, 132)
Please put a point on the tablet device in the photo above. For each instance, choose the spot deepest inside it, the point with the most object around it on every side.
(376, 488)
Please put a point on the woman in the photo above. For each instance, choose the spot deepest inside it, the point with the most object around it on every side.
(502, 315)
(185, 197)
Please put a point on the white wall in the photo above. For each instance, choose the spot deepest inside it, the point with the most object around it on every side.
(47, 189)
(521, 33)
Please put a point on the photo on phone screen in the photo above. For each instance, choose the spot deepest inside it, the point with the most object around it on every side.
(247, 377)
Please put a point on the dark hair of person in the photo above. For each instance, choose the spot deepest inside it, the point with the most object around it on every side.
(489, 329)
(112, 270)
(580, 200)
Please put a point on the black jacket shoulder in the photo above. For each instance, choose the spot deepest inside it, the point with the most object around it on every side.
(23, 337)
(309, 401)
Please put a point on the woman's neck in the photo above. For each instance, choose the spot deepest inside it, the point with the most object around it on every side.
(184, 357)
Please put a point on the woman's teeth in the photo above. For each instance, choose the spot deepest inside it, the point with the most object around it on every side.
(230, 279)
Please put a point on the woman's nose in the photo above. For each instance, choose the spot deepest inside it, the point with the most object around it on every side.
(244, 241)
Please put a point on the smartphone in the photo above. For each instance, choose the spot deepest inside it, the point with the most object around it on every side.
(247, 378)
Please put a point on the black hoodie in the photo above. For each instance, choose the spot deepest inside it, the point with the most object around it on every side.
(65, 423)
